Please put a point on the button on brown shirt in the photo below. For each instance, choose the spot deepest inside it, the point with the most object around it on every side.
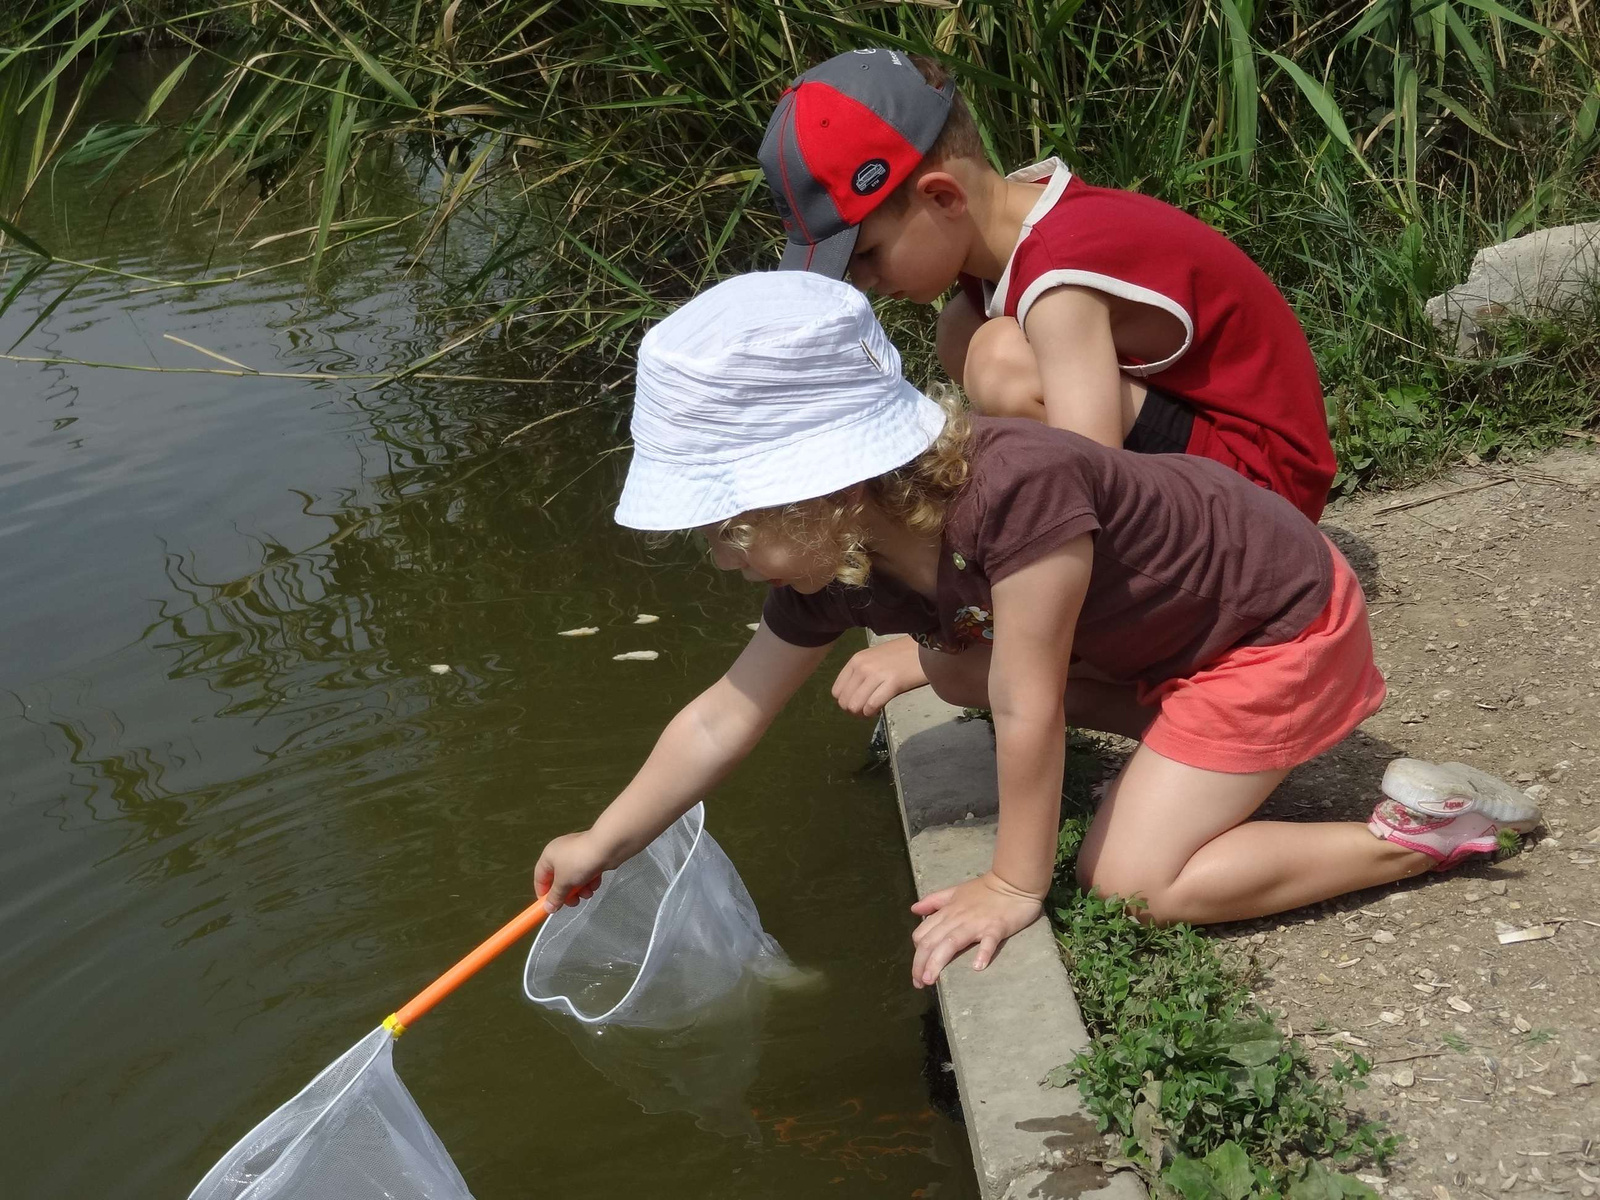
(1190, 559)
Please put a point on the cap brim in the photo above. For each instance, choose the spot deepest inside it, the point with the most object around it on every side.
(830, 256)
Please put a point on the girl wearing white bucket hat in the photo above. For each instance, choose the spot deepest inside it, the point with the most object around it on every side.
(1198, 613)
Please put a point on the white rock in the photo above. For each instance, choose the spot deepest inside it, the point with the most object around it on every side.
(1540, 272)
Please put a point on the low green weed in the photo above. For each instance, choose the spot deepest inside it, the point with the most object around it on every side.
(1212, 1101)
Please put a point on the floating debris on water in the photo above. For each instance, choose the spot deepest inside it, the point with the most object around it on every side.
(439, 668)
(580, 631)
(637, 656)
(646, 619)
(753, 626)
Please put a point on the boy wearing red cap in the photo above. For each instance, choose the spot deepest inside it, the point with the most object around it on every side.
(1101, 311)
(1075, 300)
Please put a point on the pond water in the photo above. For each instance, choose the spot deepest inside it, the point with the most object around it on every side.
(240, 817)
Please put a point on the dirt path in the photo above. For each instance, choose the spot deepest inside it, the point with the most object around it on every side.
(1486, 615)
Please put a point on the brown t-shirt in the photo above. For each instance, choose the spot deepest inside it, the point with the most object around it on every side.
(1190, 559)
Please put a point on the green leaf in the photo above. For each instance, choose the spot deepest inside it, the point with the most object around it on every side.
(23, 240)
(1463, 114)
(69, 55)
(1230, 1166)
(1476, 55)
(1495, 9)
(1264, 1082)
(24, 277)
(1322, 101)
(44, 313)
(1318, 1183)
(336, 161)
(1587, 113)
(1056, 1077)
(378, 72)
(164, 89)
(1255, 1053)
(1242, 82)
(1192, 1179)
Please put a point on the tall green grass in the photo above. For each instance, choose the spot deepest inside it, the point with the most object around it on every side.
(1360, 151)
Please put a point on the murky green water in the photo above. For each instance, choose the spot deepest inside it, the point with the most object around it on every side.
(240, 819)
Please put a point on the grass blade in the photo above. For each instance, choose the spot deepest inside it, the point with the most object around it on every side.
(23, 240)
(44, 313)
(164, 89)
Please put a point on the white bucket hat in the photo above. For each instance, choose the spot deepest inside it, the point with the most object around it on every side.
(769, 388)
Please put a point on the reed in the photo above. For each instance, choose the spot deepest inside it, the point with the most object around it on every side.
(1360, 151)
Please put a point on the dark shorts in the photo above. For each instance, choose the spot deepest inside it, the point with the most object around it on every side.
(1163, 427)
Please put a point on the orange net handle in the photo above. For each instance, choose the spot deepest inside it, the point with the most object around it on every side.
(508, 934)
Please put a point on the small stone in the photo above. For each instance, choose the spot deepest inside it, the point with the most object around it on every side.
(1498, 887)
(1383, 937)
(1413, 716)
(1460, 1005)
(1257, 938)
(1391, 1018)
(1537, 792)
(1451, 1156)
(1521, 1024)
(1405, 1077)
(1472, 897)
(1531, 702)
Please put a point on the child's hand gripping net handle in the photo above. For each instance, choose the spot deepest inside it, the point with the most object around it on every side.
(508, 934)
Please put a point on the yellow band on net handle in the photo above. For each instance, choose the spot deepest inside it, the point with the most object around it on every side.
(492, 946)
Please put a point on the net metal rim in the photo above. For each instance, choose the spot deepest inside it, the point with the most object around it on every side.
(698, 812)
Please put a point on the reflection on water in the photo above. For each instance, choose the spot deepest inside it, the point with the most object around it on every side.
(241, 820)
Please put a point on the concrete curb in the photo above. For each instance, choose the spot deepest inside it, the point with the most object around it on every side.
(1012, 1023)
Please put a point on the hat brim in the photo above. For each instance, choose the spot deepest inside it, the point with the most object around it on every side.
(661, 495)
(830, 256)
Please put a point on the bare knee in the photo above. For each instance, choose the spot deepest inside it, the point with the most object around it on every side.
(1002, 376)
(958, 321)
(1150, 899)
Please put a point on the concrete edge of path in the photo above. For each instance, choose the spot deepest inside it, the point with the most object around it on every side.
(1012, 1023)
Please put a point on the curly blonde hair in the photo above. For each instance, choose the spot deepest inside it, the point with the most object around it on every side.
(916, 495)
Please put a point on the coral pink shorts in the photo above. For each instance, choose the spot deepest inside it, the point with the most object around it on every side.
(1262, 708)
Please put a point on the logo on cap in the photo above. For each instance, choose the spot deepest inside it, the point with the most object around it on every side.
(870, 176)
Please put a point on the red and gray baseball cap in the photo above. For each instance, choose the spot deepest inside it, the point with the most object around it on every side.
(845, 135)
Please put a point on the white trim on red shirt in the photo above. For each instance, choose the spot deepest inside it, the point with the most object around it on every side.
(995, 294)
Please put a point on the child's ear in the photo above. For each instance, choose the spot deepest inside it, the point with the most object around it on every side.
(945, 192)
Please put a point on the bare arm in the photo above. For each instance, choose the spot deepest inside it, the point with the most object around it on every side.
(1035, 612)
(709, 737)
(1069, 329)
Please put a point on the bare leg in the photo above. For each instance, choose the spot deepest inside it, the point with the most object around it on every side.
(1174, 836)
(1001, 375)
(1090, 703)
(958, 321)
